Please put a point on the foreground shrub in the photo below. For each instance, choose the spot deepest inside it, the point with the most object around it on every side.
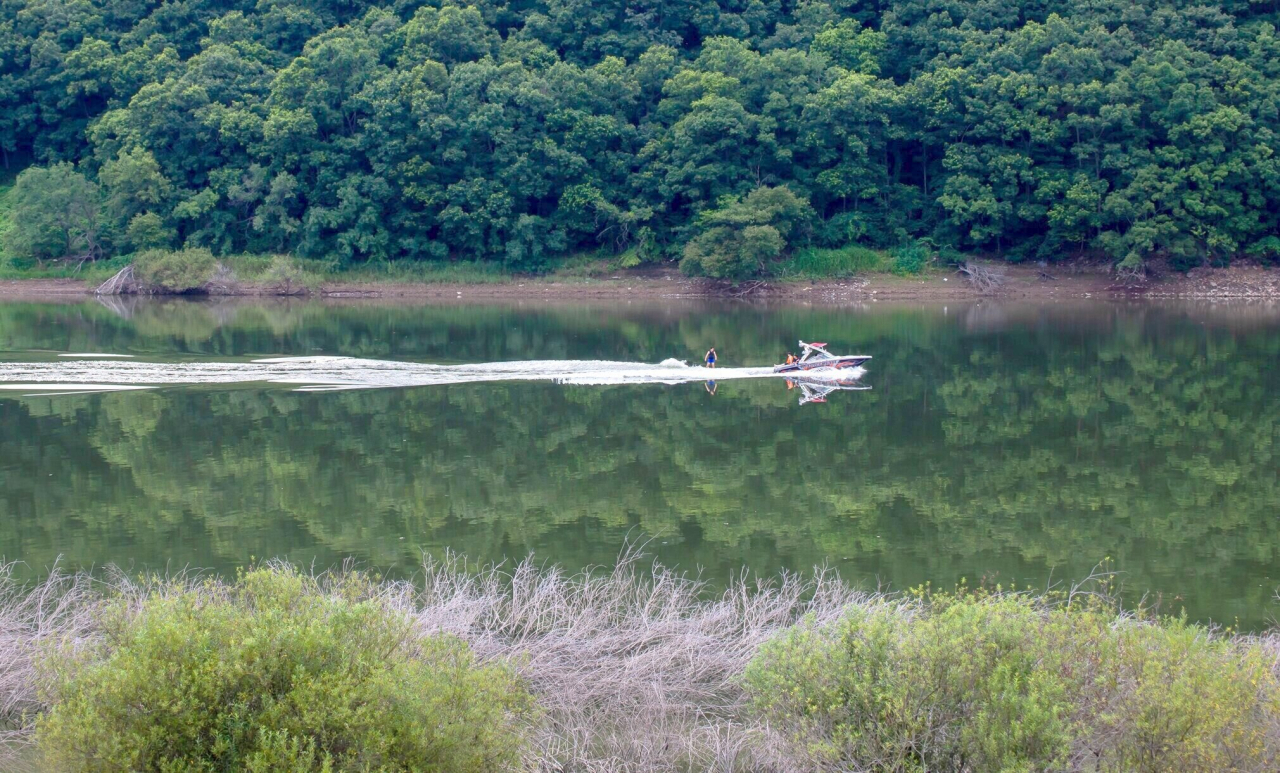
(1006, 683)
(1177, 698)
(175, 271)
(275, 674)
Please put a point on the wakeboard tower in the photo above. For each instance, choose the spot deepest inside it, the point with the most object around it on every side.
(816, 356)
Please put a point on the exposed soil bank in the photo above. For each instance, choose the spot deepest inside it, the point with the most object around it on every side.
(1019, 282)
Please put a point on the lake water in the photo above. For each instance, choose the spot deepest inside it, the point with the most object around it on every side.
(1020, 444)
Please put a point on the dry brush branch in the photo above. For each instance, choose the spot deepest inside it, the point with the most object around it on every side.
(119, 284)
(983, 279)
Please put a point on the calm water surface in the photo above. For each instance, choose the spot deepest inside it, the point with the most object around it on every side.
(1020, 444)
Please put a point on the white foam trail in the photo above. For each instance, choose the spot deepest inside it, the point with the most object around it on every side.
(95, 355)
(70, 387)
(333, 373)
(81, 392)
(312, 359)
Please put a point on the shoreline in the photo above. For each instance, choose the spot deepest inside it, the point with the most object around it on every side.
(1019, 283)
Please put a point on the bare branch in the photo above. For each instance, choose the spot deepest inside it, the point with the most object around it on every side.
(983, 279)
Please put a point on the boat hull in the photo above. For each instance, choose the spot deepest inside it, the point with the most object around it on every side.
(835, 363)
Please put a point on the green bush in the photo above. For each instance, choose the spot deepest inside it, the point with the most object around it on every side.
(175, 271)
(842, 262)
(1007, 683)
(147, 231)
(727, 253)
(6, 222)
(1265, 250)
(740, 237)
(275, 673)
(1177, 698)
(285, 275)
(911, 259)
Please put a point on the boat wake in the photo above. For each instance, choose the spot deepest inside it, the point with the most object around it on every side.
(84, 374)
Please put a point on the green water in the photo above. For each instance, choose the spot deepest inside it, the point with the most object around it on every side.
(1019, 444)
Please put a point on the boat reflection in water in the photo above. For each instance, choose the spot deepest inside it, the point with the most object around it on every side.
(815, 390)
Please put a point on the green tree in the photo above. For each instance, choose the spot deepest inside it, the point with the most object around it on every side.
(741, 237)
(136, 193)
(147, 230)
(512, 132)
(55, 214)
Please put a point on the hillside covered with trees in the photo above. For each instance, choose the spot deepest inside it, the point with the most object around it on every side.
(723, 133)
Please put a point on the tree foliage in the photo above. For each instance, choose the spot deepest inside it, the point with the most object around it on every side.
(740, 237)
(514, 132)
(55, 213)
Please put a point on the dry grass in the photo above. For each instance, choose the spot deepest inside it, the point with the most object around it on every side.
(636, 667)
(62, 608)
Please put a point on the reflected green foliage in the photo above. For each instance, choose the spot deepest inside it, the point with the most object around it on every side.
(1023, 443)
(438, 130)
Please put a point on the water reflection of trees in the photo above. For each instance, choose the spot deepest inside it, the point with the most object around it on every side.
(1014, 449)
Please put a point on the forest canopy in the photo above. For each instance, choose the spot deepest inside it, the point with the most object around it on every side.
(723, 133)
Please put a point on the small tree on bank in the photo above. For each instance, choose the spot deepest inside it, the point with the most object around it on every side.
(56, 215)
(741, 236)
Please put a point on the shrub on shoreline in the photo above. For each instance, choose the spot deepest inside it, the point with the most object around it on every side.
(275, 673)
(175, 271)
(1010, 683)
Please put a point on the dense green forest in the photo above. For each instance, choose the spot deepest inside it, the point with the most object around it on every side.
(723, 133)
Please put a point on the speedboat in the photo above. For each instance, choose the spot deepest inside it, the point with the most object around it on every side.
(816, 356)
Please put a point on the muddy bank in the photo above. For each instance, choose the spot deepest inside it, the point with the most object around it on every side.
(1017, 282)
(39, 289)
